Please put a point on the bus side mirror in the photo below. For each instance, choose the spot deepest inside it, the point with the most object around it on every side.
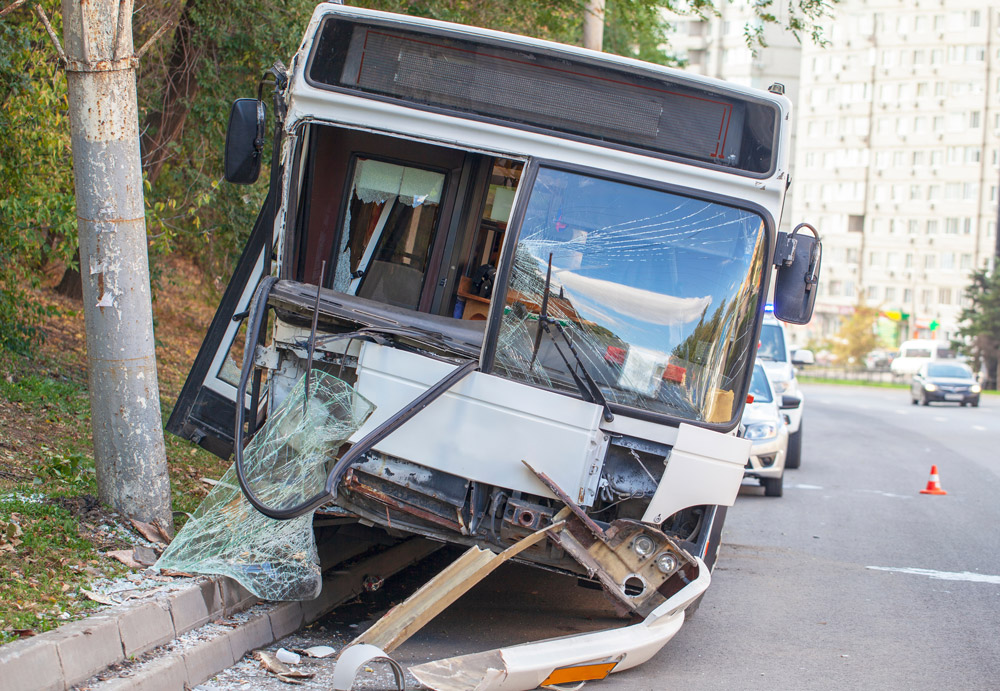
(244, 141)
(798, 258)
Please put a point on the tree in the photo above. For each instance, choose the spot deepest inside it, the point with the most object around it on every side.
(856, 337)
(979, 325)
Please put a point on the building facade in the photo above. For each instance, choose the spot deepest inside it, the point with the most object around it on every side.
(896, 149)
(898, 160)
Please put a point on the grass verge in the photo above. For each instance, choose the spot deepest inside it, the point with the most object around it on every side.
(54, 534)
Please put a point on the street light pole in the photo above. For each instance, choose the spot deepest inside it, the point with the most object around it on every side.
(124, 393)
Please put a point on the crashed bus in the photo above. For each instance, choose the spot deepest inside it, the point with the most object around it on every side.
(531, 279)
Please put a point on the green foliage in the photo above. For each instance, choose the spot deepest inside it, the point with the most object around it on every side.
(36, 174)
(979, 330)
(856, 337)
(187, 207)
(74, 469)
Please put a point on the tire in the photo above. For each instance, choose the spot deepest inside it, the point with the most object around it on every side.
(714, 545)
(913, 400)
(793, 456)
(975, 403)
(923, 398)
(964, 403)
(773, 486)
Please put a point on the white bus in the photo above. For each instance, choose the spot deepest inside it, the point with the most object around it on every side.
(545, 267)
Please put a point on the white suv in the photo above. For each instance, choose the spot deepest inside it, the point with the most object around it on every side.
(779, 360)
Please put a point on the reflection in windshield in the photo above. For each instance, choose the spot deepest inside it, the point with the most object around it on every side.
(657, 291)
(950, 370)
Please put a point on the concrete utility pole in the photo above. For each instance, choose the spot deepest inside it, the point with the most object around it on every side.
(593, 25)
(124, 392)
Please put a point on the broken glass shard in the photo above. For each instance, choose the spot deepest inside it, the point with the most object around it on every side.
(286, 462)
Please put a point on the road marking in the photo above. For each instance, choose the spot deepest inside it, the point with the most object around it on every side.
(885, 494)
(804, 486)
(940, 419)
(979, 428)
(942, 575)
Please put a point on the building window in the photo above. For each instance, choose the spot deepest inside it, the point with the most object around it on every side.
(951, 226)
(872, 293)
(908, 260)
(890, 294)
(848, 289)
(907, 296)
(913, 227)
(974, 120)
(914, 194)
(875, 259)
(966, 261)
(932, 227)
(926, 295)
(944, 296)
(947, 261)
(929, 261)
(966, 226)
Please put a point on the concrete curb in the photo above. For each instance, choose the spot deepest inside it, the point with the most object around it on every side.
(191, 634)
(73, 653)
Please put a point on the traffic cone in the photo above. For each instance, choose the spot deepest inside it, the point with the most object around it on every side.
(933, 484)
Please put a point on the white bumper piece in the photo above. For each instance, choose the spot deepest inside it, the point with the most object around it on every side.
(565, 660)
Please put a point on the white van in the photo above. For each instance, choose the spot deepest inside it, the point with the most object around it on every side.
(913, 354)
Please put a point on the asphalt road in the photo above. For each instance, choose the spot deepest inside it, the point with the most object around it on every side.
(851, 580)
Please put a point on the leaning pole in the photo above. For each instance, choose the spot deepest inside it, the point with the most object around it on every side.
(124, 394)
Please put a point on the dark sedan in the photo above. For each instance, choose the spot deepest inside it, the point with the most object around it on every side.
(944, 381)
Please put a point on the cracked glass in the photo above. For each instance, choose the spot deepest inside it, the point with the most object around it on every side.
(656, 292)
(286, 461)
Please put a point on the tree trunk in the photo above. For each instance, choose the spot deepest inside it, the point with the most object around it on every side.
(127, 430)
(164, 126)
(593, 25)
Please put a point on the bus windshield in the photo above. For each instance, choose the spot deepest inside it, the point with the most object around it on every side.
(656, 291)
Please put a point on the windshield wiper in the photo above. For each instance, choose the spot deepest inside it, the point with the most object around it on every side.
(589, 390)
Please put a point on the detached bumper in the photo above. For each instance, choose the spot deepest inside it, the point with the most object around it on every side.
(569, 659)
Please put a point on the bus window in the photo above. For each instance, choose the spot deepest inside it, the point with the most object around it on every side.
(390, 227)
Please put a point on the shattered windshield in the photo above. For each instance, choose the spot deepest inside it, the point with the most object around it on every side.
(657, 293)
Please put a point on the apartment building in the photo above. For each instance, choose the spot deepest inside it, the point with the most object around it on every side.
(896, 150)
(898, 159)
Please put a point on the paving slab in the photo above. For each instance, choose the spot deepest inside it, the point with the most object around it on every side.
(30, 664)
(88, 646)
(144, 627)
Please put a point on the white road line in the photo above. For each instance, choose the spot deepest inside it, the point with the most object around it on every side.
(902, 411)
(940, 419)
(942, 575)
(885, 494)
(979, 428)
(804, 486)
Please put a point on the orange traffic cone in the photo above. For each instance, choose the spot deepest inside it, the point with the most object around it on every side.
(933, 484)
